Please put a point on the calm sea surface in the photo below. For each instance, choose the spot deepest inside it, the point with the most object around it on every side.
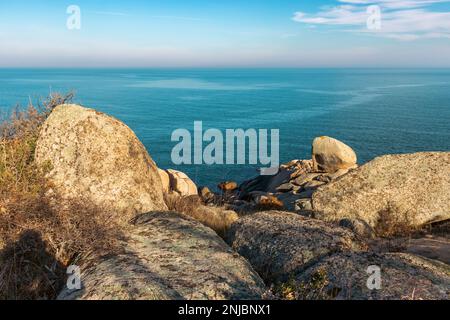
(374, 111)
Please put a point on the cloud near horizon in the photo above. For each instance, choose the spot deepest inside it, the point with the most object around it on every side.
(405, 20)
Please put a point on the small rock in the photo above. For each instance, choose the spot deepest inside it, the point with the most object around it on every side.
(205, 194)
(330, 155)
(228, 186)
(269, 202)
(305, 178)
(301, 167)
(314, 184)
(323, 178)
(264, 183)
(285, 187)
(303, 205)
(181, 183)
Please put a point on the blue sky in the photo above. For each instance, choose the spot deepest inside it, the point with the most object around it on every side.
(227, 33)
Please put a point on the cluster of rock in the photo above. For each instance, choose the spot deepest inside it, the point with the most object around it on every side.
(293, 186)
(321, 260)
(304, 253)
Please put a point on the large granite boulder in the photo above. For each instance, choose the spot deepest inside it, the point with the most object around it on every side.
(393, 191)
(280, 244)
(364, 275)
(331, 155)
(97, 158)
(168, 256)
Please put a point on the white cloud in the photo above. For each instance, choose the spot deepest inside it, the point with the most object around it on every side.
(400, 19)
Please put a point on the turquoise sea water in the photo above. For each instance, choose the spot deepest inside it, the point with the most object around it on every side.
(374, 111)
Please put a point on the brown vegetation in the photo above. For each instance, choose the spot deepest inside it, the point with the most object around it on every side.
(389, 223)
(217, 218)
(37, 241)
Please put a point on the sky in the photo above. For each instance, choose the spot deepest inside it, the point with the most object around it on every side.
(225, 33)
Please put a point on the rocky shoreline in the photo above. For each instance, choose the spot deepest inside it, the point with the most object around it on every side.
(309, 232)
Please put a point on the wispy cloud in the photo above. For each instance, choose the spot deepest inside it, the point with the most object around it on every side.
(405, 20)
(178, 18)
(111, 13)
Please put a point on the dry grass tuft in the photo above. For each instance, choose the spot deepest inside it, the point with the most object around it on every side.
(37, 241)
(217, 218)
(389, 224)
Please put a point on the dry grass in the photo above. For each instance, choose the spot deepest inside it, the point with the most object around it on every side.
(217, 218)
(390, 224)
(314, 289)
(37, 241)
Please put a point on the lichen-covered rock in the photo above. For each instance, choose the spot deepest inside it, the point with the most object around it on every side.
(346, 275)
(331, 155)
(407, 189)
(279, 244)
(97, 158)
(168, 256)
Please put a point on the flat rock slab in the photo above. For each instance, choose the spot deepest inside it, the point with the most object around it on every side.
(403, 276)
(280, 244)
(437, 248)
(401, 190)
(169, 256)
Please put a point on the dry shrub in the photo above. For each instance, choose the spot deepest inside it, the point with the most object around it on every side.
(390, 224)
(38, 241)
(217, 218)
(316, 288)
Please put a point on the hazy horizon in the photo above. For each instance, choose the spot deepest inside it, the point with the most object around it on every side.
(232, 34)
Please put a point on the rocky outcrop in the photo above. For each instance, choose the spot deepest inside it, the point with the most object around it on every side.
(346, 275)
(394, 190)
(281, 244)
(97, 158)
(290, 189)
(331, 155)
(181, 184)
(168, 256)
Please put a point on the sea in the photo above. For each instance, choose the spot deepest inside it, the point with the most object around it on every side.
(375, 111)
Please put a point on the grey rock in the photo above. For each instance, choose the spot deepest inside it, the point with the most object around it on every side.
(305, 178)
(98, 159)
(400, 190)
(285, 187)
(168, 256)
(345, 275)
(314, 184)
(279, 244)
